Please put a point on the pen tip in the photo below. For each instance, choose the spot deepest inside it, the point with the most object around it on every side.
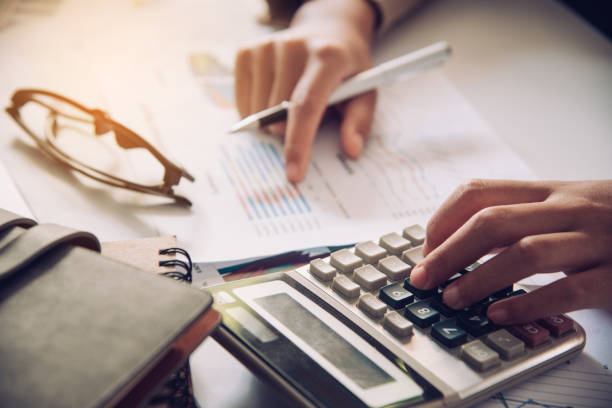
(246, 123)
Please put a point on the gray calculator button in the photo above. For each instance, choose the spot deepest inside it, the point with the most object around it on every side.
(394, 268)
(345, 287)
(394, 243)
(397, 324)
(371, 305)
(345, 261)
(505, 344)
(322, 270)
(370, 252)
(369, 278)
(413, 256)
(479, 356)
(415, 234)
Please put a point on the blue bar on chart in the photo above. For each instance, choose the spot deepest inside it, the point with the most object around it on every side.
(256, 172)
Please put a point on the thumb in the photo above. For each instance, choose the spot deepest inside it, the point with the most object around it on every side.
(357, 118)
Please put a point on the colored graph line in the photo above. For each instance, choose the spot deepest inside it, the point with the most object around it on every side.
(297, 191)
(403, 162)
(240, 198)
(264, 176)
(257, 175)
(260, 151)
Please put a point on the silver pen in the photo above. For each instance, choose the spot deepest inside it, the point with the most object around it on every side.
(400, 68)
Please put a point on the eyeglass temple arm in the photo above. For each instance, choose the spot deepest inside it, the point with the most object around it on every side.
(128, 139)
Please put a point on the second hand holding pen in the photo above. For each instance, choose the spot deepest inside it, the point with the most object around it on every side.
(400, 68)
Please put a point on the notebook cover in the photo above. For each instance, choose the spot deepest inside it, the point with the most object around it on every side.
(81, 330)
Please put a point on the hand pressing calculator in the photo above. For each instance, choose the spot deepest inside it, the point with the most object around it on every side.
(350, 330)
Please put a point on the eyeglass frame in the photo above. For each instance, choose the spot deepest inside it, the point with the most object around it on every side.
(124, 137)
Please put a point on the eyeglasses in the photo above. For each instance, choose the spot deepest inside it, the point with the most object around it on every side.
(65, 129)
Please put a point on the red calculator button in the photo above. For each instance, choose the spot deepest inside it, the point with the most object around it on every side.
(558, 325)
(531, 333)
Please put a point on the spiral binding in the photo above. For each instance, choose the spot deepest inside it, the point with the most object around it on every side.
(186, 266)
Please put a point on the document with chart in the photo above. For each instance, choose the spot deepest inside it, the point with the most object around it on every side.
(426, 140)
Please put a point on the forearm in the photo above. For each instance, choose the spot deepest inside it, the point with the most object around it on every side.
(386, 12)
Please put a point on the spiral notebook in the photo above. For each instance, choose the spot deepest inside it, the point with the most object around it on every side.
(154, 254)
(80, 329)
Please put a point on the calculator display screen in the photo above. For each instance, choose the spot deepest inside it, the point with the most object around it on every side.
(325, 341)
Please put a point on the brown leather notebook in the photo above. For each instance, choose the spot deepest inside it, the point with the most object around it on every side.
(78, 329)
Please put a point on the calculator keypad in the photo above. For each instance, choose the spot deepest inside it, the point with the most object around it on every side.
(448, 333)
(394, 268)
(322, 270)
(505, 344)
(395, 296)
(394, 243)
(413, 256)
(345, 261)
(369, 278)
(397, 324)
(374, 278)
(422, 314)
(479, 356)
(370, 252)
(415, 234)
(345, 287)
(371, 305)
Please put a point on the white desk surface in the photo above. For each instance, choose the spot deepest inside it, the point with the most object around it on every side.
(541, 77)
(538, 74)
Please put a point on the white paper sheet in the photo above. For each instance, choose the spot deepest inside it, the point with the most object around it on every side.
(176, 91)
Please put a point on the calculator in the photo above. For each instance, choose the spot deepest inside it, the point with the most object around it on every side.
(349, 330)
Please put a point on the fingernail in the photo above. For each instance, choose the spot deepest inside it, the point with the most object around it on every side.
(498, 315)
(418, 277)
(292, 170)
(452, 297)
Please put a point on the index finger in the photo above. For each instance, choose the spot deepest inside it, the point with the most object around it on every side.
(474, 196)
(308, 103)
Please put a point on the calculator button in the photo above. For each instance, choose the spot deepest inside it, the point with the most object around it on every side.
(479, 356)
(345, 261)
(505, 344)
(369, 278)
(422, 314)
(370, 252)
(322, 270)
(448, 333)
(475, 322)
(421, 293)
(438, 304)
(395, 296)
(531, 333)
(415, 234)
(413, 256)
(345, 287)
(371, 305)
(397, 324)
(394, 243)
(394, 268)
(557, 325)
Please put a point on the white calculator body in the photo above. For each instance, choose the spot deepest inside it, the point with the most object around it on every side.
(350, 331)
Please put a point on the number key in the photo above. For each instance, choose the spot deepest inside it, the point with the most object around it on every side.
(395, 296)
(422, 314)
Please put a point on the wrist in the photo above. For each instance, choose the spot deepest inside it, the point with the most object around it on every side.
(362, 15)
